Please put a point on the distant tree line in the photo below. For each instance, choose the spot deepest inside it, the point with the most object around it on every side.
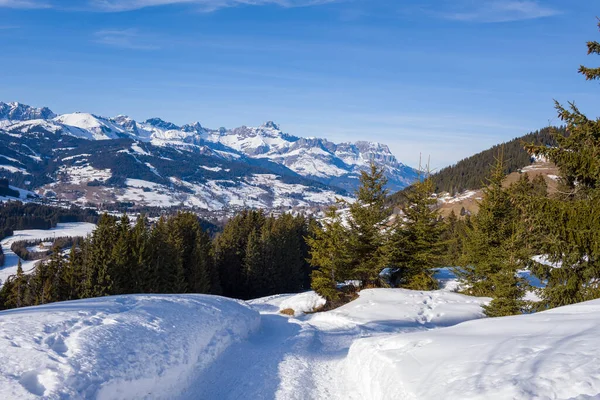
(255, 255)
(15, 215)
(21, 247)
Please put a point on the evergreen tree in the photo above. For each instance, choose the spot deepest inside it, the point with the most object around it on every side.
(254, 266)
(100, 261)
(72, 284)
(123, 259)
(493, 251)
(17, 292)
(571, 219)
(230, 252)
(367, 217)
(141, 273)
(415, 246)
(206, 277)
(452, 237)
(329, 255)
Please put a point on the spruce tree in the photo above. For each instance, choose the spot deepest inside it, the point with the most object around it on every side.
(329, 255)
(72, 278)
(141, 273)
(415, 245)
(16, 298)
(123, 259)
(493, 251)
(100, 261)
(570, 220)
(254, 266)
(367, 218)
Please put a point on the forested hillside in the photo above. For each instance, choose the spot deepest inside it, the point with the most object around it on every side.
(15, 215)
(471, 173)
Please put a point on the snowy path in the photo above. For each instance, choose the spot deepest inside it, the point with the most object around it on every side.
(304, 358)
(285, 359)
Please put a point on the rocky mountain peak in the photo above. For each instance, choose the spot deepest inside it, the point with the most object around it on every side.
(15, 111)
(162, 124)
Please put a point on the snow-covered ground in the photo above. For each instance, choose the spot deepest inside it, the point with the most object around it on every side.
(387, 344)
(11, 260)
(122, 347)
(304, 357)
(549, 355)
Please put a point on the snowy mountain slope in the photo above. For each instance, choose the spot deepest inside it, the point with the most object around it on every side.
(69, 167)
(100, 128)
(548, 355)
(122, 347)
(44, 145)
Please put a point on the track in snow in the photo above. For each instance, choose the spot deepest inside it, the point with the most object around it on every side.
(303, 358)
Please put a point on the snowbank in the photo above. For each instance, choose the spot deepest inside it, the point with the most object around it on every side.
(139, 346)
(396, 309)
(302, 303)
(549, 355)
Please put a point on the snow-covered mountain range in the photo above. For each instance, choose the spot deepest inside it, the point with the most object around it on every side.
(86, 158)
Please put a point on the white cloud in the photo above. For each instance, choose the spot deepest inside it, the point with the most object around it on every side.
(205, 5)
(499, 11)
(125, 39)
(23, 4)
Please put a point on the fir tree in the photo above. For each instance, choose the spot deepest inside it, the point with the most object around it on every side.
(415, 246)
(571, 219)
(367, 217)
(254, 266)
(329, 255)
(72, 284)
(17, 292)
(123, 259)
(493, 251)
(140, 252)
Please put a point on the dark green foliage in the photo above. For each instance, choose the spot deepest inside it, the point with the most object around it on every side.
(258, 255)
(452, 238)
(363, 246)
(415, 247)
(568, 224)
(493, 250)
(173, 256)
(329, 244)
(368, 215)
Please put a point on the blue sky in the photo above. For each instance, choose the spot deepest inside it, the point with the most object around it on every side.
(445, 78)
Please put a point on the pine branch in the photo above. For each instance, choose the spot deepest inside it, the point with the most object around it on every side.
(593, 48)
(590, 73)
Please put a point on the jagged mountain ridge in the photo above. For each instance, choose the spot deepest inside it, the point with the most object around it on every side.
(246, 167)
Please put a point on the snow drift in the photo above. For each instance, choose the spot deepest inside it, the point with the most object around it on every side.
(139, 346)
(393, 310)
(549, 355)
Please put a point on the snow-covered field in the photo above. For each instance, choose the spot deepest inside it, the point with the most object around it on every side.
(61, 230)
(123, 347)
(387, 344)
